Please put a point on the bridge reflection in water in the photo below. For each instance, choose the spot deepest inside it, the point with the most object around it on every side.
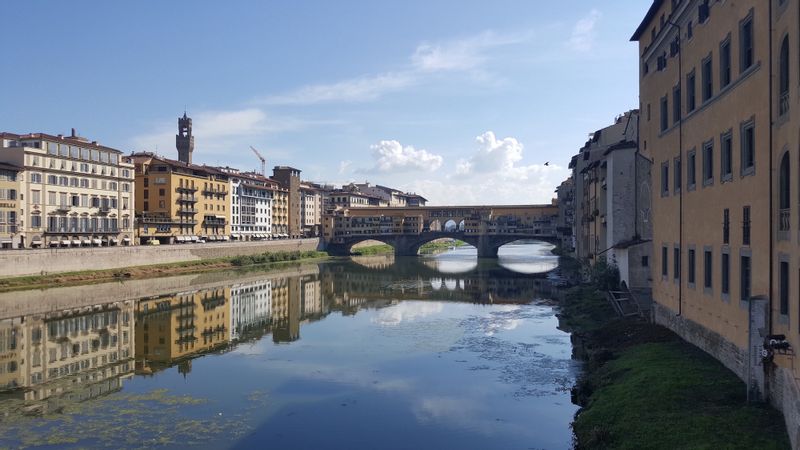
(53, 359)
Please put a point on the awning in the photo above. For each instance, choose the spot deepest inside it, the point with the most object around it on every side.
(194, 238)
(225, 238)
(86, 242)
(180, 239)
(53, 243)
(115, 240)
(65, 242)
(5, 241)
(212, 238)
(37, 239)
(235, 236)
(76, 242)
(126, 240)
(96, 241)
(37, 243)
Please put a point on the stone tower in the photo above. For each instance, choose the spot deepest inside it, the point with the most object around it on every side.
(184, 140)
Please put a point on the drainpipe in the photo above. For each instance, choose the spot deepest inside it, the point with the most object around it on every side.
(680, 154)
(771, 209)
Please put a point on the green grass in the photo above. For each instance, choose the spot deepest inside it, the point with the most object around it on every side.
(584, 309)
(271, 257)
(440, 246)
(379, 249)
(671, 395)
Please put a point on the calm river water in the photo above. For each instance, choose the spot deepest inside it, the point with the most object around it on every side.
(438, 352)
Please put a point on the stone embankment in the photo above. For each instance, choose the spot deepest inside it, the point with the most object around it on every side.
(14, 263)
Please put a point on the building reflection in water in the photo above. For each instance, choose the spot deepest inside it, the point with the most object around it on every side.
(49, 360)
(52, 360)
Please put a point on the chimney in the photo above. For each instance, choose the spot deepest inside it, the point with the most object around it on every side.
(73, 133)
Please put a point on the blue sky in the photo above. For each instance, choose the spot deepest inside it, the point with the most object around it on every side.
(461, 101)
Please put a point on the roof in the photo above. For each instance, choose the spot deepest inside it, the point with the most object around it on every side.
(77, 140)
(286, 168)
(651, 13)
(620, 145)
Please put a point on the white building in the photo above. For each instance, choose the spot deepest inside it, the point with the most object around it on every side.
(250, 205)
(73, 192)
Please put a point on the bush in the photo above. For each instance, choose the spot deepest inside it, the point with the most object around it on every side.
(271, 257)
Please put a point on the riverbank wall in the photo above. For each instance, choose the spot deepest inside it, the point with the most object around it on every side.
(14, 263)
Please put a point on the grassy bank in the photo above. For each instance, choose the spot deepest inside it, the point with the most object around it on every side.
(644, 387)
(440, 246)
(157, 270)
(378, 249)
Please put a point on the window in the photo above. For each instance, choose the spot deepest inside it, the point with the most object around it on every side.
(162, 192)
(746, 52)
(689, 30)
(690, 170)
(748, 148)
(783, 92)
(726, 226)
(676, 104)
(36, 177)
(691, 267)
(664, 114)
(726, 148)
(707, 267)
(691, 88)
(36, 221)
(708, 79)
(703, 11)
(746, 225)
(677, 175)
(744, 276)
(708, 163)
(784, 294)
(676, 263)
(645, 261)
(725, 63)
(726, 275)
(664, 262)
(665, 179)
(785, 187)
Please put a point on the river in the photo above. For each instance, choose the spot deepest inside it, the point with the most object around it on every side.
(434, 352)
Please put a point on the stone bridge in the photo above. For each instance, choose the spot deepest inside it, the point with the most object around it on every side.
(487, 228)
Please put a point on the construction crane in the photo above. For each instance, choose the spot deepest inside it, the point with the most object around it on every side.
(263, 161)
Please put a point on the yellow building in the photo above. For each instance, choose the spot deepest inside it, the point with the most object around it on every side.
(172, 329)
(718, 82)
(72, 192)
(280, 211)
(179, 202)
(9, 205)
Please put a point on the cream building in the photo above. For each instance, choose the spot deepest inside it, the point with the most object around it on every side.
(72, 193)
(719, 92)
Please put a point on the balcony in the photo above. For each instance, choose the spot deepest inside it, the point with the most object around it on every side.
(64, 207)
(189, 211)
(214, 222)
(181, 189)
(210, 191)
(784, 224)
(783, 105)
(187, 199)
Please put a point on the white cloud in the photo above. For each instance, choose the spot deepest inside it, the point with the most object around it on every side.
(407, 312)
(583, 33)
(466, 54)
(344, 167)
(493, 174)
(391, 156)
(358, 89)
(493, 155)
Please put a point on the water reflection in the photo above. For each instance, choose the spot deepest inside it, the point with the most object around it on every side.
(400, 327)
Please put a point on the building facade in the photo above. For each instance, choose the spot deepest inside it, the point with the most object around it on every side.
(718, 83)
(9, 205)
(178, 202)
(72, 192)
(310, 210)
(289, 178)
(251, 205)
